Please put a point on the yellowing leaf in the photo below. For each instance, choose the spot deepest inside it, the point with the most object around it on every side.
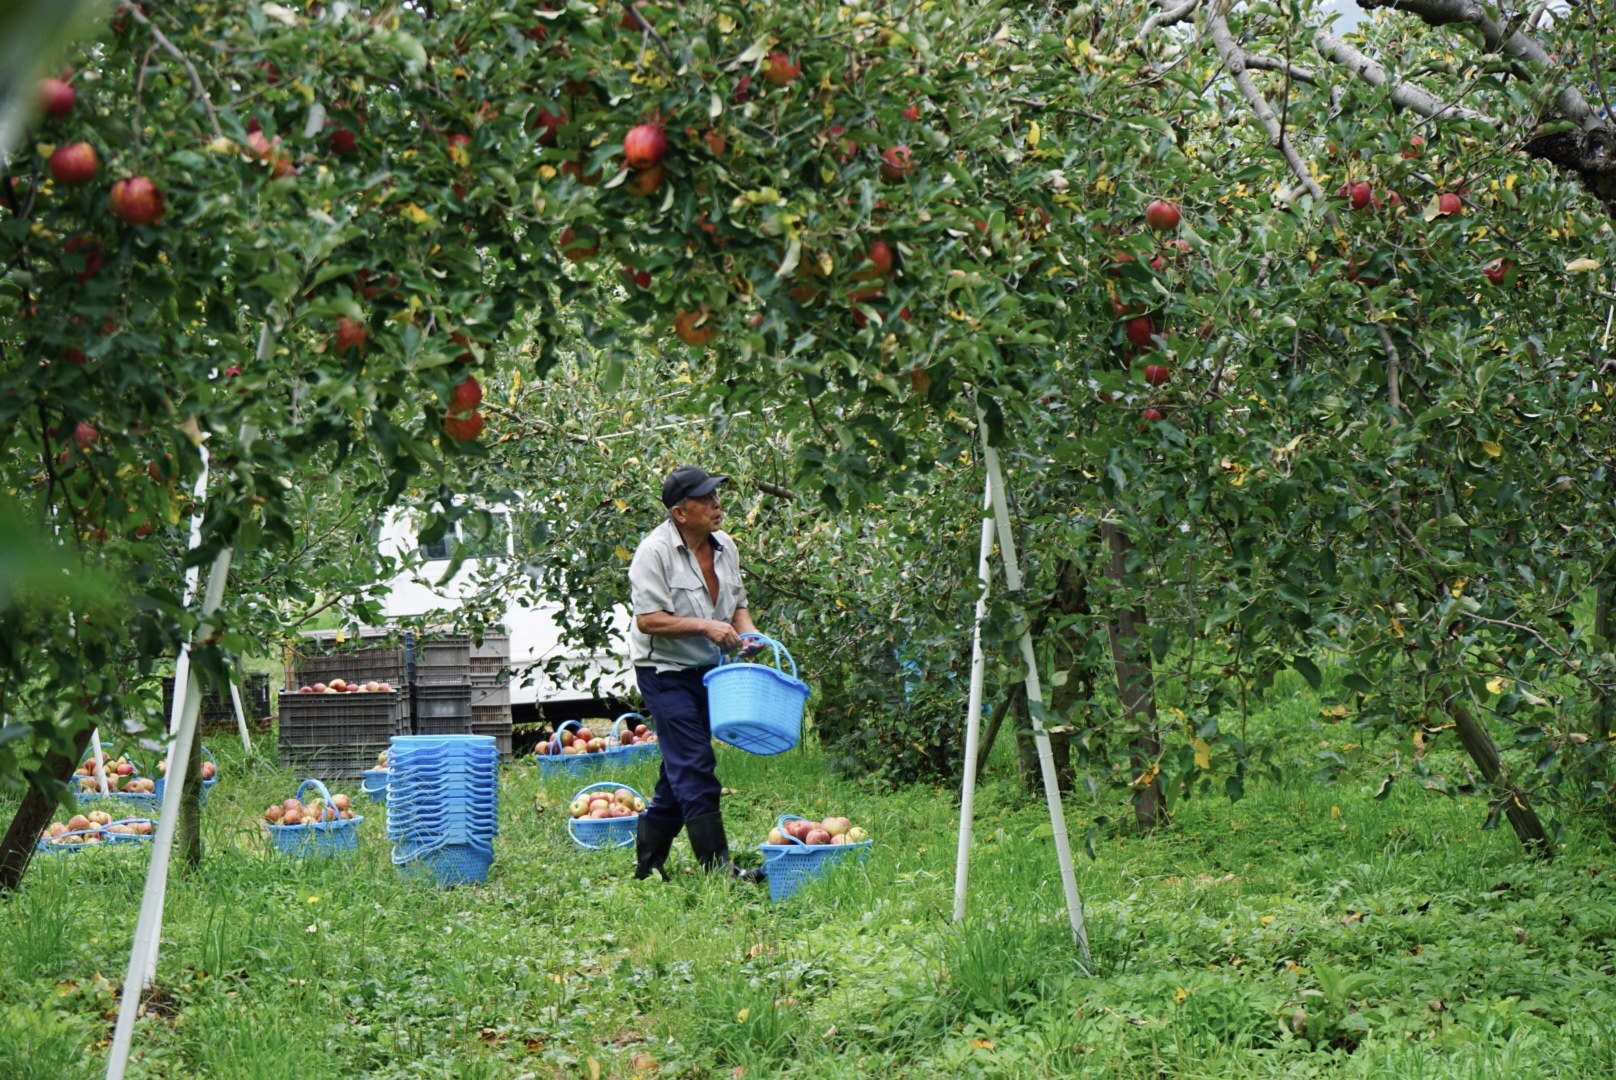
(1492, 449)
(1034, 133)
(1203, 754)
(1335, 811)
(1582, 266)
(621, 504)
(1268, 919)
(1180, 994)
(460, 156)
(622, 553)
(1457, 589)
(740, 1017)
(415, 213)
(982, 1044)
(1497, 685)
(594, 1068)
(726, 23)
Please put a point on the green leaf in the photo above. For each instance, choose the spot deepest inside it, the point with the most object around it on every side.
(1308, 670)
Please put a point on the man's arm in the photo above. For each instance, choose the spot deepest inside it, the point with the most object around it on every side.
(667, 624)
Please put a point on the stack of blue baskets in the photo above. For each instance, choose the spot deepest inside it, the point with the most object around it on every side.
(443, 805)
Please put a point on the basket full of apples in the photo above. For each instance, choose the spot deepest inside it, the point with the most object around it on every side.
(131, 830)
(799, 850)
(79, 832)
(326, 825)
(573, 750)
(374, 781)
(125, 785)
(604, 816)
(210, 775)
(631, 740)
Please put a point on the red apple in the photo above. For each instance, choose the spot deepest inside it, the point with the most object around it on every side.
(459, 142)
(910, 111)
(816, 837)
(647, 182)
(56, 98)
(1416, 147)
(1448, 203)
(85, 435)
(136, 201)
(579, 244)
(351, 334)
(880, 259)
(642, 278)
(273, 814)
(779, 70)
(695, 328)
(340, 801)
(1150, 414)
(1140, 330)
(1359, 194)
(547, 123)
(464, 428)
(74, 164)
(1495, 271)
(641, 729)
(77, 822)
(896, 164)
(466, 395)
(644, 146)
(90, 248)
(1157, 374)
(1162, 215)
(344, 141)
(75, 356)
(743, 89)
(845, 147)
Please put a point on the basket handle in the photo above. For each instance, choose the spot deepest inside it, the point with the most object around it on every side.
(324, 795)
(556, 738)
(779, 651)
(97, 830)
(604, 784)
(780, 823)
(617, 725)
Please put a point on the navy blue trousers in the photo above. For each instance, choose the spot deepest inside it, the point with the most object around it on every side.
(687, 786)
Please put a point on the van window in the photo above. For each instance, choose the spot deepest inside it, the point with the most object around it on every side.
(438, 549)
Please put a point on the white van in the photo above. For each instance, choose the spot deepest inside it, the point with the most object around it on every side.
(577, 684)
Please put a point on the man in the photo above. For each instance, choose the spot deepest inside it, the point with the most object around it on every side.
(689, 608)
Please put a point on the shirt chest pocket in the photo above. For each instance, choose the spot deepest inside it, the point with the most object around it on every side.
(690, 596)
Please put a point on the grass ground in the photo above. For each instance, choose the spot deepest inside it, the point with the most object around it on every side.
(1407, 942)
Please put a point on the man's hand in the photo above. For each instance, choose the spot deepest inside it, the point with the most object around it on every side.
(751, 647)
(721, 634)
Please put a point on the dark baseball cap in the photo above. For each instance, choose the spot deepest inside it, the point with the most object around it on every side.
(688, 482)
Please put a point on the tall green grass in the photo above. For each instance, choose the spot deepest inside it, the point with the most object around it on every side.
(1414, 944)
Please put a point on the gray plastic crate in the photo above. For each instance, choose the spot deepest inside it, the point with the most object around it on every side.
(494, 646)
(217, 709)
(442, 659)
(338, 720)
(490, 694)
(331, 763)
(433, 703)
(382, 655)
(501, 732)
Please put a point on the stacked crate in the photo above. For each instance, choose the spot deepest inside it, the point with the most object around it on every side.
(443, 684)
(338, 736)
(217, 709)
(491, 691)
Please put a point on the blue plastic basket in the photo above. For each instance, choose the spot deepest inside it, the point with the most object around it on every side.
(794, 864)
(315, 838)
(629, 755)
(162, 781)
(374, 784)
(46, 847)
(448, 864)
(559, 764)
(122, 804)
(597, 834)
(755, 707)
(132, 838)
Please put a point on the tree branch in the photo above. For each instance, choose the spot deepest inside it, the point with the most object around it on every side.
(1403, 95)
(169, 47)
(1166, 17)
(1268, 63)
(647, 28)
(1234, 59)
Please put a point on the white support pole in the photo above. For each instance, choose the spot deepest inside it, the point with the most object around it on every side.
(1035, 698)
(973, 718)
(100, 766)
(241, 716)
(142, 956)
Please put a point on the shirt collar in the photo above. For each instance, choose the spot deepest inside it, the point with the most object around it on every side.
(679, 538)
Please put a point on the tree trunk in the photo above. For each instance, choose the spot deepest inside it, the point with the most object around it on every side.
(1026, 747)
(990, 730)
(1135, 686)
(1478, 743)
(1603, 588)
(17, 848)
(188, 840)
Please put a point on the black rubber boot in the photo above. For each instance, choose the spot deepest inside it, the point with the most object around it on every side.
(707, 840)
(651, 846)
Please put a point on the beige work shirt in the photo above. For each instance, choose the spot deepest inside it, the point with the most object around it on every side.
(665, 576)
